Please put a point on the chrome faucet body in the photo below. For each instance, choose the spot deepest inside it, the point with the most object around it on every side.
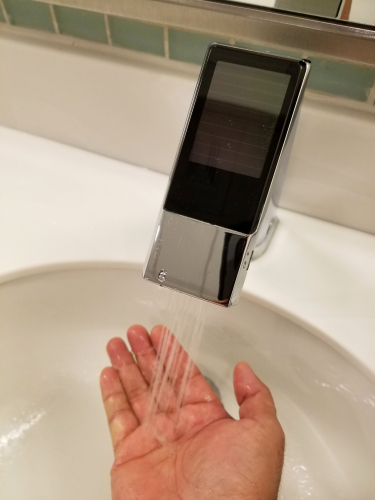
(219, 212)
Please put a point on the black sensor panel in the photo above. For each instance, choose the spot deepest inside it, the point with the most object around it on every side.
(239, 118)
(234, 136)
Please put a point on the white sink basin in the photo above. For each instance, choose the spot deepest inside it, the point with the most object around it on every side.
(54, 442)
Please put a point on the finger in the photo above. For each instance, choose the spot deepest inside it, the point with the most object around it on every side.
(121, 419)
(135, 386)
(147, 359)
(185, 375)
(143, 349)
(254, 397)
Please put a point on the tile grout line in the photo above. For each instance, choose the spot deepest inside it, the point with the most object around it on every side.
(107, 29)
(166, 42)
(5, 13)
(371, 97)
(54, 18)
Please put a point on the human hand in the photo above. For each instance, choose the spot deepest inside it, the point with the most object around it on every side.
(207, 454)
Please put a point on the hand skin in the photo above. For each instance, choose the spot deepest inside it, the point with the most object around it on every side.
(208, 455)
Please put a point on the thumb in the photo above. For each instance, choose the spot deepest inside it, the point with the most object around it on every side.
(254, 397)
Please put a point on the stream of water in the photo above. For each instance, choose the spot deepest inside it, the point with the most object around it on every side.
(183, 326)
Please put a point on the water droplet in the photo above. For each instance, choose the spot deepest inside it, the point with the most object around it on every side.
(162, 276)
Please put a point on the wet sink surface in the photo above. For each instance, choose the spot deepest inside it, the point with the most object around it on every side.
(54, 441)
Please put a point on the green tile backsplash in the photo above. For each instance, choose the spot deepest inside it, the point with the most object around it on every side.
(341, 79)
(332, 77)
(29, 14)
(136, 35)
(263, 49)
(189, 47)
(81, 24)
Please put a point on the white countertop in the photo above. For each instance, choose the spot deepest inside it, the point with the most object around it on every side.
(64, 207)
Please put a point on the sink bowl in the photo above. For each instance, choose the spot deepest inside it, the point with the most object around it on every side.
(54, 441)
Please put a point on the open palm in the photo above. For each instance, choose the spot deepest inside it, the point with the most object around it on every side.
(205, 453)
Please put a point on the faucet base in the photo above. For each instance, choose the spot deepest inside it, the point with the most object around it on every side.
(263, 245)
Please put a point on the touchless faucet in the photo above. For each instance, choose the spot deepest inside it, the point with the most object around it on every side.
(220, 207)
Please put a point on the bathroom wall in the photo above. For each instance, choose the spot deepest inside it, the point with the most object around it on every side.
(363, 11)
(178, 32)
(122, 87)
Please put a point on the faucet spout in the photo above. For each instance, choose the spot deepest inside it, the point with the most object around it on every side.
(220, 207)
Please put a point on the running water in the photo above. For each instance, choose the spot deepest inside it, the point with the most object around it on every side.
(185, 319)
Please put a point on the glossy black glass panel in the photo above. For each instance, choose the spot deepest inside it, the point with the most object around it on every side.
(239, 118)
(234, 137)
